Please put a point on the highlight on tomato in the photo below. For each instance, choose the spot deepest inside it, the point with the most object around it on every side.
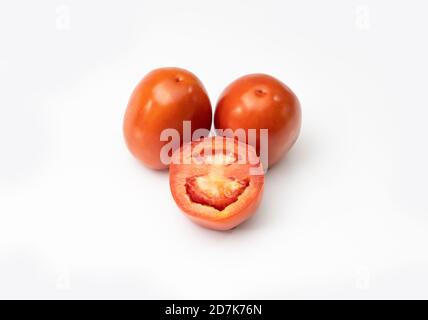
(164, 99)
(259, 101)
(217, 182)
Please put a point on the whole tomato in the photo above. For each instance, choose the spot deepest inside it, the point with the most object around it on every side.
(259, 101)
(163, 99)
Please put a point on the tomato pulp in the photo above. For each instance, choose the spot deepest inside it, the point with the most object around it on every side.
(217, 181)
(259, 101)
(163, 100)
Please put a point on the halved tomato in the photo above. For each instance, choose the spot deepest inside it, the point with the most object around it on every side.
(217, 181)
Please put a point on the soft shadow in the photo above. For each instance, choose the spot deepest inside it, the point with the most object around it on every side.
(275, 180)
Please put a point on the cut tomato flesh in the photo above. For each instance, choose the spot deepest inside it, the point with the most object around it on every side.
(214, 190)
(215, 184)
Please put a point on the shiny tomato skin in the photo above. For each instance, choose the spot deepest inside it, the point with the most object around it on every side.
(259, 101)
(163, 99)
(242, 208)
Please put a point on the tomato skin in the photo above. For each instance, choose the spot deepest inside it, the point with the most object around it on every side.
(232, 221)
(259, 101)
(206, 216)
(163, 99)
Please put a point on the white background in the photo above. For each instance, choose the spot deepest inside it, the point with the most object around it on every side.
(343, 216)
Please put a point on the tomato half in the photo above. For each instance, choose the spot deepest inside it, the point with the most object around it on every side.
(217, 182)
(163, 99)
(259, 101)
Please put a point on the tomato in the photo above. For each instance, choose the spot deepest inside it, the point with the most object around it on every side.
(217, 182)
(259, 101)
(163, 99)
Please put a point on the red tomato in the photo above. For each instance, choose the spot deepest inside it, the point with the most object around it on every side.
(217, 182)
(164, 99)
(259, 101)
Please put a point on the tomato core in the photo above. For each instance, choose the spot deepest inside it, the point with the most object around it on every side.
(215, 190)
